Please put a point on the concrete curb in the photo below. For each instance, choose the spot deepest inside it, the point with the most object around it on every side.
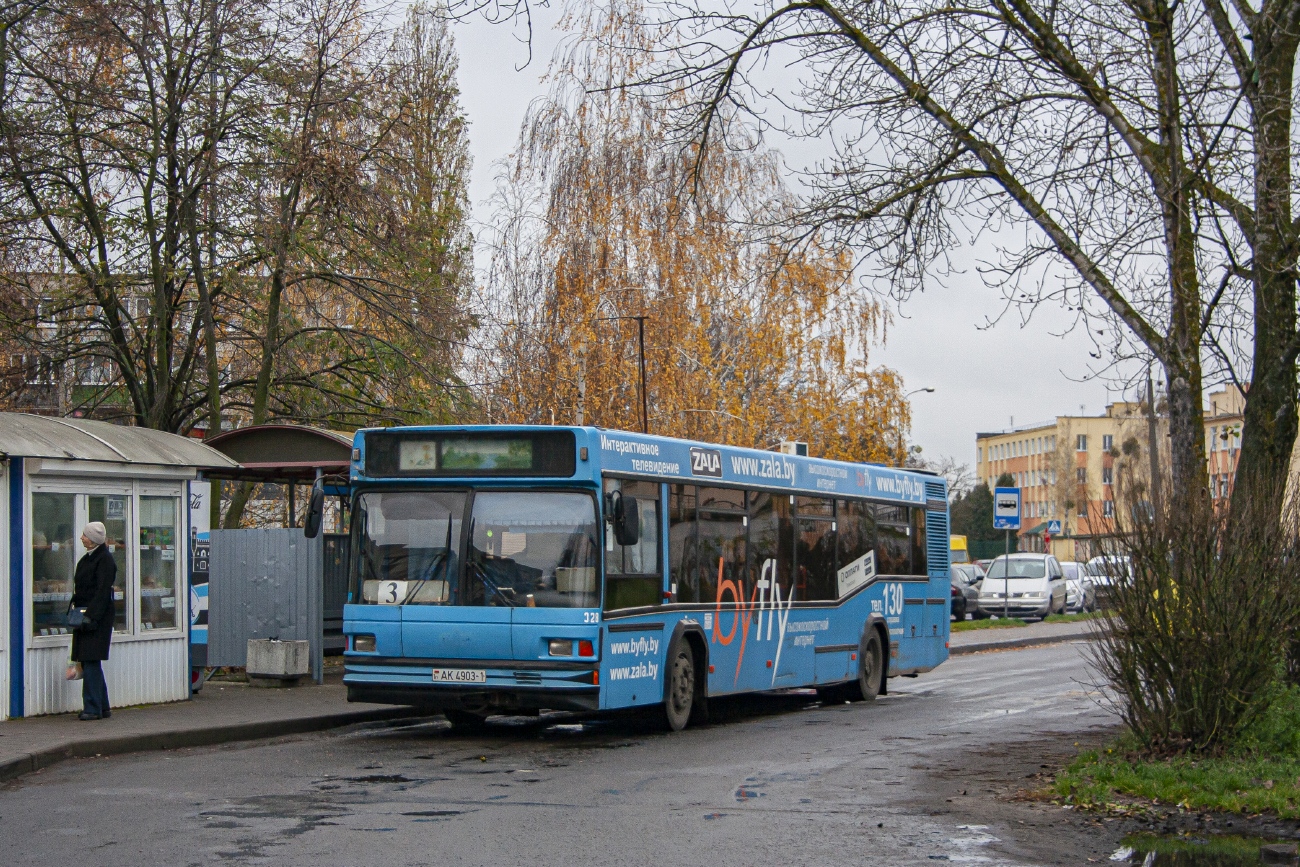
(11, 769)
(1015, 644)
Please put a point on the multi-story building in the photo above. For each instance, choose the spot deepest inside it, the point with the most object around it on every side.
(1223, 419)
(1067, 470)
(1070, 469)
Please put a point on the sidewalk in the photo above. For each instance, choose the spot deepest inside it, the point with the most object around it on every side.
(1011, 638)
(220, 713)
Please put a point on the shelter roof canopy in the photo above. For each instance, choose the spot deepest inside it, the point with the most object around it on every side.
(81, 439)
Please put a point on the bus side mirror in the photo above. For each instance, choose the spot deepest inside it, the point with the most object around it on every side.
(315, 512)
(627, 518)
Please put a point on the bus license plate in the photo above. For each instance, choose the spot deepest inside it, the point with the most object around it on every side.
(459, 675)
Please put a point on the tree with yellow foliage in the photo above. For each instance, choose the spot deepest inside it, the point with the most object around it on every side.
(602, 220)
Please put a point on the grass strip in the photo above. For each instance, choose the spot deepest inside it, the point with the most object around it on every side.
(988, 623)
(1249, 784)
(1013, 622)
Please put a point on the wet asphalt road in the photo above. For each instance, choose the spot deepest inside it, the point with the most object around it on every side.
(778, 780)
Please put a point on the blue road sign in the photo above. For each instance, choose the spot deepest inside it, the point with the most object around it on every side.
(1053, 528)
(1006, 508)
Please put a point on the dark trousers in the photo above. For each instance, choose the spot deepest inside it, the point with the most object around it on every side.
(94, 690)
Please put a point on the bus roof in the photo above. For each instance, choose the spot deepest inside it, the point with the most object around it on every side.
(670, 459)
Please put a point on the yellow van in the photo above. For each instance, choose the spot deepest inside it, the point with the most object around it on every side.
(957, 550)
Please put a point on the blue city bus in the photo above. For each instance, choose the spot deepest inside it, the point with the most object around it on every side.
(506, 570)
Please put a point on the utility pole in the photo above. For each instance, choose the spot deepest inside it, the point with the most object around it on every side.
(640, 323)
(1153, 447)
(582, 383)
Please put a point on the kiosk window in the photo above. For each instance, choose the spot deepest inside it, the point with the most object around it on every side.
(113, 510)
(55, 551)
(143, 532)
(158, 562)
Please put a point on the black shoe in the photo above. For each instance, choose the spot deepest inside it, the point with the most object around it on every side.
(106, 714)
(88, 716)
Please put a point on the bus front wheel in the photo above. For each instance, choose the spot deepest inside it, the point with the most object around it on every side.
(679, 693)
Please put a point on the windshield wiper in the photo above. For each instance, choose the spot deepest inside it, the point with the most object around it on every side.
(492, 586)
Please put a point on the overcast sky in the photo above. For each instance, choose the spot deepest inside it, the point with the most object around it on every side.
(982, 378)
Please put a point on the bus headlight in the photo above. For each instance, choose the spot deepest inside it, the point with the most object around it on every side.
(561, 646)
(363, 643)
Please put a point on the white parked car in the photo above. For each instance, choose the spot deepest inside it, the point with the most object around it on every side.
(1080, 594)
(1024, 585)
(1105, 571)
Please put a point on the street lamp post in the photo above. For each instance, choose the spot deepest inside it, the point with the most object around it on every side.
(927, 390)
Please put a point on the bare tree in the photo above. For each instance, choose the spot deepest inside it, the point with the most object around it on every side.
(1141, 147)
(216, 207)
(108, 118)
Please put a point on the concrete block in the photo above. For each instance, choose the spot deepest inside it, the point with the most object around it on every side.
(277, 663)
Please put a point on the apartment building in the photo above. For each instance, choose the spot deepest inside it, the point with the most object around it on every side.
(1069, 469)
(1224, 414)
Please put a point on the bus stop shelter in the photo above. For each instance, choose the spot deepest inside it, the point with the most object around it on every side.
(57, 475)
(274, 582)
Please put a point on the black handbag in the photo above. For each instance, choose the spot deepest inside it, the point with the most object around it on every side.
(76, 619)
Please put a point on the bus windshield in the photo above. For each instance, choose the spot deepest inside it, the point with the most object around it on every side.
(533, 549)
(407, 545)
(527, 549)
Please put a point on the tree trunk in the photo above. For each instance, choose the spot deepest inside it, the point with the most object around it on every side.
(1182, 347)
(1269, 428)
(262, 388)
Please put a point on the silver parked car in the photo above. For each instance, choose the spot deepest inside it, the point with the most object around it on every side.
(1105, 571)
(966, 578)
(1024, 585)
(1080, 593)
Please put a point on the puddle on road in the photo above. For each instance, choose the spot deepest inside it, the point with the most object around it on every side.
(1209, 851)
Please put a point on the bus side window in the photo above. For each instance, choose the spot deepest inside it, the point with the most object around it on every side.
(856, 532)
(683, 564)
(721, 544)
(893, 547)
(814, 549)
(770, 535)
(633, 575)
(919, 566)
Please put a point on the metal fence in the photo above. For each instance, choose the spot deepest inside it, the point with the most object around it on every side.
(265, 584)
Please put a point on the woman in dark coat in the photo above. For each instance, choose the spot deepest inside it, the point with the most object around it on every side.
(92, 589)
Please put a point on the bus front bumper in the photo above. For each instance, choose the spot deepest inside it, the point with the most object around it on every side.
(517, 688)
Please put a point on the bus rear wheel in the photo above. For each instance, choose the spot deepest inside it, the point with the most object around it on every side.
(871, 670)
(679, 691)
